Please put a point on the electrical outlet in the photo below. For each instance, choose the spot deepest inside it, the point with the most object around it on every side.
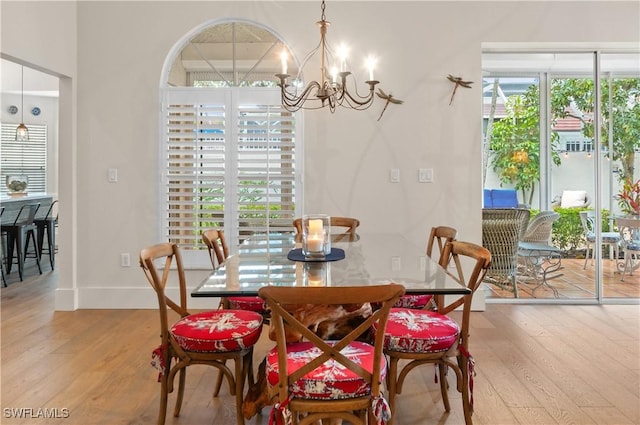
(125, 260)
(423, 264)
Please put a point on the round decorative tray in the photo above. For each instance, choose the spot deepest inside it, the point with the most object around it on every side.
(297, 255)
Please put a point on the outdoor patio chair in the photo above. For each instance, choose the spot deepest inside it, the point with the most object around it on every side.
(540, 227)
(612, 239)
(502, 229)
(572, 199)
(629, 229)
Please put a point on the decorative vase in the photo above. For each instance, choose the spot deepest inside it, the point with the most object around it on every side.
(17, 184)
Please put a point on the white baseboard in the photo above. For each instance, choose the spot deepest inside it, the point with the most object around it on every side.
(134, 298)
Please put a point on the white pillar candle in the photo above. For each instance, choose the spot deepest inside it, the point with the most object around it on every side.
(315, 243)
(315, 227)
(315, 282)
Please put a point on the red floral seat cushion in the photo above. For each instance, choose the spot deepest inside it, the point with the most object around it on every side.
(248, 303)
(420, 331)
(218, 330)
(329, 381)
(413, 301)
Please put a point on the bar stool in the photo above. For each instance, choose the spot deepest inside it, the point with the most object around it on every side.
(19, 234)
(48, 224)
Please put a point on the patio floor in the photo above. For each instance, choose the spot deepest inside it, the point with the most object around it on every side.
(574, 282)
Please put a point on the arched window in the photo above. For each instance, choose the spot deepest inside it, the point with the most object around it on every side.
(229, 148)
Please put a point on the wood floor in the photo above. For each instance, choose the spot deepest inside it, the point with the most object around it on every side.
(536, 364)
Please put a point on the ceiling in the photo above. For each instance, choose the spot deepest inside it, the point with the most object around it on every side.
(35, 82)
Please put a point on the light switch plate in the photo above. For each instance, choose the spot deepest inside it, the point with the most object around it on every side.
(394, 175)
(113, 175)
(425, 175)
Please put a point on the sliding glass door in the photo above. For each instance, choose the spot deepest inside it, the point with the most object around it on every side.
(547, 136)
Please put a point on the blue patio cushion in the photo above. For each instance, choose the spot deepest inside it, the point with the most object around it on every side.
(488, 202)
(504, 198)
(607, 237)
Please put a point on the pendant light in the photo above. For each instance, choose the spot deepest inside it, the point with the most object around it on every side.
(22, 132)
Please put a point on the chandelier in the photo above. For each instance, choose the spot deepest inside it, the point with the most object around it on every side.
(327, 92)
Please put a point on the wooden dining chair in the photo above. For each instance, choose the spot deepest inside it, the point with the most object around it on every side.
(315, 379)
(206, 338)
(346, 225)
(438, 237)
(419, 337)
(216, 245)
(218, 253)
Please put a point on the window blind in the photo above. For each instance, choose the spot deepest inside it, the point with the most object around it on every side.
(29, 158)
(230, 163)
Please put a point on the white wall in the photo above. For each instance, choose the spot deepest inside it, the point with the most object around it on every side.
(47, 42)
(122, 46)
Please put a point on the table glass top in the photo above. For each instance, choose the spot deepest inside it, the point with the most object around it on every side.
(371, 259)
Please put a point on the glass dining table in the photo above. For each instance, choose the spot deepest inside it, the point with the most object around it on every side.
(369, 259)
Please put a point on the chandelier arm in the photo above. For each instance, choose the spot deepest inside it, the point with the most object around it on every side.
(306, 59)
(361, 101)
(291, 99)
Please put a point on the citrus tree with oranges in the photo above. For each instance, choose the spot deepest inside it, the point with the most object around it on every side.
(515, 143)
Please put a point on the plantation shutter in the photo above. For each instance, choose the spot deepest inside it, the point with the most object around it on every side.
(230, 158)
(265, 171)
(29, 158)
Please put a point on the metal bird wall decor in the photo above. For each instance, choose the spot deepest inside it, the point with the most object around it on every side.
(458, 81)
(389, 99)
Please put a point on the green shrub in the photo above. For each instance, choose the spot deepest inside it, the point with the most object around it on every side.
(568, 233)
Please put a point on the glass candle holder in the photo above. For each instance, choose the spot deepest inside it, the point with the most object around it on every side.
(316, 274)
(316, 235)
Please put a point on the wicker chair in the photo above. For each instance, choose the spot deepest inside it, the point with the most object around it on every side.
(502, 229)
(539, 228)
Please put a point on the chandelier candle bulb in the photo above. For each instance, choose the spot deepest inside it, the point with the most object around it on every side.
(371, 63)
(343, 58)
(283, 59)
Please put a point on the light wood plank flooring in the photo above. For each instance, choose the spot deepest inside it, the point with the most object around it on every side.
(536, 364)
